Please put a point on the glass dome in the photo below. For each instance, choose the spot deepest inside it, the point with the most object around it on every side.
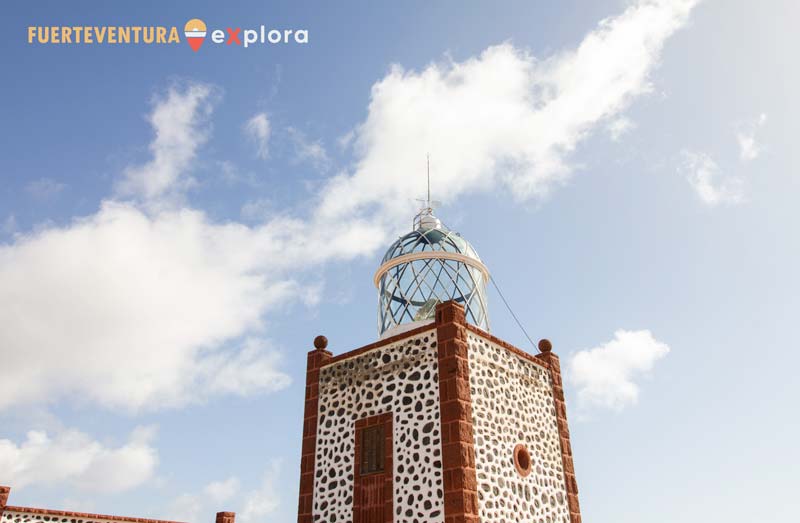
(425, 267)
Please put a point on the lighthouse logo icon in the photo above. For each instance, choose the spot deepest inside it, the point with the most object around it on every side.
(195, 32)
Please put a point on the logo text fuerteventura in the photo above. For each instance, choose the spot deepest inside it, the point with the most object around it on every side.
(195, 32)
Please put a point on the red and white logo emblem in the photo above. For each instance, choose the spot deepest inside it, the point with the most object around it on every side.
(195, 32)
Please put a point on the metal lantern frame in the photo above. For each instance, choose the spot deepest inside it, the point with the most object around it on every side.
(425, 267)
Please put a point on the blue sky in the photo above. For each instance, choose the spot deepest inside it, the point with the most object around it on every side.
(623, 168)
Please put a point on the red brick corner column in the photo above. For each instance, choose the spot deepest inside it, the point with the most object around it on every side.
(316, 358)
(226, 517)
(455, 402)
(4, 492)
(545, 355)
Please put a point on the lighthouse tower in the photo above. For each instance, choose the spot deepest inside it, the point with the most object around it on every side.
(438, 420)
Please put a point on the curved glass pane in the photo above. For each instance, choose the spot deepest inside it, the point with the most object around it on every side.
(430, 240)
(410, 292)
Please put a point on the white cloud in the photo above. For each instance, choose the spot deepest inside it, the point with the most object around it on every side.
(711, 185)
(307, 150)
(346, 139)
(501, 118)
(222, 491)
(195, 507)
(230, 174)
(188, 507)
(258, 130)
(262, 501)
(259, 209)
(749, 149)
(251, 506)
(73, 457)
(604, 375)
(180, 122)
(44, 189)
(252, 368)
(620, 126)
(164, 308)
(132, 311)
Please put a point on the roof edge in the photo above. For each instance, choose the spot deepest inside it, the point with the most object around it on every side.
(380, 343)
(535, 358)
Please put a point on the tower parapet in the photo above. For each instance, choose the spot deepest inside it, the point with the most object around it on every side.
(441, 423)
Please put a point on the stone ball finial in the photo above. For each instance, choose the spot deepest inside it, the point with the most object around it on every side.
(320, 342)
(545, 345)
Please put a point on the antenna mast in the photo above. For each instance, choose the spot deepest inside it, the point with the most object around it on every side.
(429, 180)
(427, 203)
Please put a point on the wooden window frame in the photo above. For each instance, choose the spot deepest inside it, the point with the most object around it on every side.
(384, 420)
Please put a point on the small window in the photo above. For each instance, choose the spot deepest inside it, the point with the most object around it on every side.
(372, 449)
(522, 460)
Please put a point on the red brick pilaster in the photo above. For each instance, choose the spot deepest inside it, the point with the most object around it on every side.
(563, 428)
(226, 517)
(455, 402)
(4, 492)
(316, 358)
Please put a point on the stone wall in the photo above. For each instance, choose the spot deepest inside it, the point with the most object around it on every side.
(401, 378)
(513, 405)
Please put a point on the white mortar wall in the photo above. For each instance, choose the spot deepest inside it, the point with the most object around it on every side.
(401, 378)
(13, 516)
(512, 403)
